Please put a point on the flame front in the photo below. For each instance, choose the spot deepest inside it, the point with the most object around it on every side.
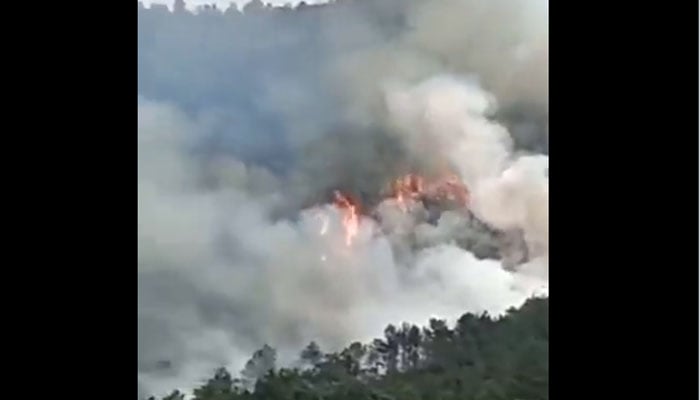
(350, 218)
(451, 188)
(411, 187)
(405, 190)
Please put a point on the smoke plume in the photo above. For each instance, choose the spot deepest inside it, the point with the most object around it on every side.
(248, 123)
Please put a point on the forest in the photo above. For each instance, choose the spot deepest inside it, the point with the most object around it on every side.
(480, 358)
(262, 101)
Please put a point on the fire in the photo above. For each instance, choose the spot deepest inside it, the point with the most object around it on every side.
(350, 218)
(405, 190)
(451, 188)
(412, 187)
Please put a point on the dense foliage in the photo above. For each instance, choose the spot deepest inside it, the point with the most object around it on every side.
(481, 358)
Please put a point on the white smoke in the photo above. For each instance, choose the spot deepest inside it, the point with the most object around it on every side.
(221, 270)
(288, 281)
(445, 119)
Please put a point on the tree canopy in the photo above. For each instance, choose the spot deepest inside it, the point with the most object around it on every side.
(480, 358)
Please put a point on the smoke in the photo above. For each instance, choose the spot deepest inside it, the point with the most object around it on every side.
(510, 192)
(246, 123)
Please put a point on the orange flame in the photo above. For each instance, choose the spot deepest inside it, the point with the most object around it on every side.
(451, 188)
(350, 219)
(408, 188)
(413, 187)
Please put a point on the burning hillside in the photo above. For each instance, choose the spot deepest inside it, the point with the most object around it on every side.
(315, 175)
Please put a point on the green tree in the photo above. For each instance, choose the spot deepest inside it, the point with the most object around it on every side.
(220, 387)
(262, 362)
(482, 358)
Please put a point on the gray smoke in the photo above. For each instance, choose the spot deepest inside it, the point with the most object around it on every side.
(246, 123)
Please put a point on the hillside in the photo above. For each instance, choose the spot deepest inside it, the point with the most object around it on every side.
(480, 358)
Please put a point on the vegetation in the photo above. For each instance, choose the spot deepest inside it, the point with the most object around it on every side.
(480, 358)
(204, 61)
